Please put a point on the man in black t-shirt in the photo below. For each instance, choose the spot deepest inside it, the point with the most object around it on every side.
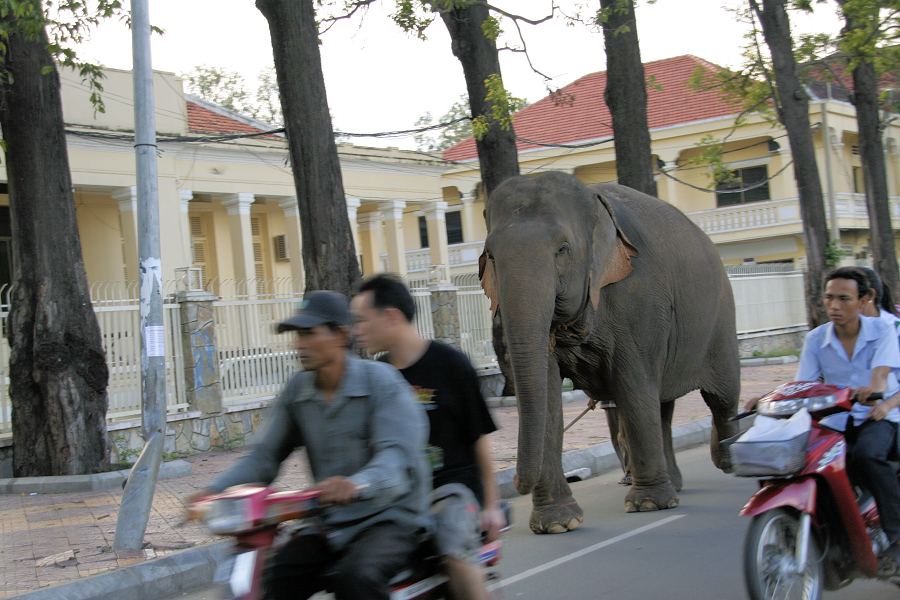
(466, 497)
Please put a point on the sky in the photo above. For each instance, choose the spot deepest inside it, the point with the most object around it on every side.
(379, 79)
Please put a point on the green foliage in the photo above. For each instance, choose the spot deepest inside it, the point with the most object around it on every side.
(457, 132)
(412, 17)
(123, 452)
(491, 28)
(711, 151)
(67, 23)
(233, 443)
(228, 88)
(502, 107)
(834, 253)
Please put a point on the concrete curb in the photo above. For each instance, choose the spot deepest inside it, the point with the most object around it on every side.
(777, 360)
(158, 578)
(190, 569)
(85, 483)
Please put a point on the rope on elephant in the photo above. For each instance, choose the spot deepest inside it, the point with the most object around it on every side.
(584, 412)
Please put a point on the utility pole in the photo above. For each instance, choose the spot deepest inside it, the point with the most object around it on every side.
(138, 497)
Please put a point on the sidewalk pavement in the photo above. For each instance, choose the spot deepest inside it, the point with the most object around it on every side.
(59, 546)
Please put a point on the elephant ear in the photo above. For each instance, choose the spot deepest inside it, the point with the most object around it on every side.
(618, 264)
(486, 275)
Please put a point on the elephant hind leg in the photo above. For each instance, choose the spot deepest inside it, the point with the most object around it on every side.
(722, 410)
(667, 409)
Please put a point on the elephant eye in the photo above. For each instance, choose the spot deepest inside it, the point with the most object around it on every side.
(490, 256)
(563, 249)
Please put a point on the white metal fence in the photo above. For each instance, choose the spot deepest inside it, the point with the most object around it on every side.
(474, 320)
(117, 306)
(768, 297)
(254, 361)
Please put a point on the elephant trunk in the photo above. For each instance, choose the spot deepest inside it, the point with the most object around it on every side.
(526, 324)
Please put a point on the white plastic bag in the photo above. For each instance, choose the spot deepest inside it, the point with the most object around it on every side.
(770, 429)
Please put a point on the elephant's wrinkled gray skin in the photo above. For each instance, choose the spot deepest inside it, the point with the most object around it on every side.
(624, 295)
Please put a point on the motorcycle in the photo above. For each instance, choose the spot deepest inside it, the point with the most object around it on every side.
(255, 516)
(811, 528)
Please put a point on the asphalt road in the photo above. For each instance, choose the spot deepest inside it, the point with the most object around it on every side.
(690, 553)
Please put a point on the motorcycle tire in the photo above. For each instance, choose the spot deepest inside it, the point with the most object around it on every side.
(769, 551)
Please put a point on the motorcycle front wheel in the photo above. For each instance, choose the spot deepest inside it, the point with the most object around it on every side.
(770, 569)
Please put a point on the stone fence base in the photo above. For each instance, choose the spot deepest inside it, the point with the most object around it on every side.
(781, 341)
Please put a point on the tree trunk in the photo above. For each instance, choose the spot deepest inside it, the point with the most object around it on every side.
(871, 154)
(497, 152)
(498, 157)
(793, 112)
(329, 255)
(626, 97)
(57, 368)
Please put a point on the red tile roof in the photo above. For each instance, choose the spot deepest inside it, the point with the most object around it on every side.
(587, 117)
(206, 121)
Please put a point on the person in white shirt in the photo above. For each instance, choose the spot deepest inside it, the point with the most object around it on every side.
(862, 353)
(881, 304)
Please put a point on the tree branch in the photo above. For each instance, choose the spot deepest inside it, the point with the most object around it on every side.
(334, 19)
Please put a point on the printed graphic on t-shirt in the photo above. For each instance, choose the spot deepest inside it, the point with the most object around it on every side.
(426, 397)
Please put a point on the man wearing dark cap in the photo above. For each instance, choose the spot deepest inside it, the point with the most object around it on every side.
(363, 433)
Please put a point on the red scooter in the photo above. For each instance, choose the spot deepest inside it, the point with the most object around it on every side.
(254, 514)
(811, 528)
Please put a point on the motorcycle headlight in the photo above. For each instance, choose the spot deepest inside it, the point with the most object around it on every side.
(787, 407)
(228, 516)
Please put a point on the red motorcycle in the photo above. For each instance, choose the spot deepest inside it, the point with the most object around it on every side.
(254, 515)
(811, 528)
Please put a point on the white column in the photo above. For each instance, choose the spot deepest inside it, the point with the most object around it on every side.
(352, 208)
(238, 206)
(671, 185)
(294, 237)
(788, 183)
(370, 226)
(468, 219)
(186, 197)
(127, 199)
(392, 211)
(436, 221)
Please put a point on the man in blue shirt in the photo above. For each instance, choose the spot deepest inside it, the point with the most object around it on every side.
(859, 352)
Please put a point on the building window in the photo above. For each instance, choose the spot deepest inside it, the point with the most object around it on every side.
(751, 177)
(859, 184)
(453, 222)
(454, 227)
(423, 233)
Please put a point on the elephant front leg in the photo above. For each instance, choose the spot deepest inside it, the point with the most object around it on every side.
(554, 508)
(653, 488)
(666, 412)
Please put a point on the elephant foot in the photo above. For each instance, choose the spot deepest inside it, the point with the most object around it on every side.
(649, 498)
(556, 518)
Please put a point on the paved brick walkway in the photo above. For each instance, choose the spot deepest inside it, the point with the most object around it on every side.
(54, 538)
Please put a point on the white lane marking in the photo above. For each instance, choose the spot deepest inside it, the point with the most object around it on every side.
(564, 559)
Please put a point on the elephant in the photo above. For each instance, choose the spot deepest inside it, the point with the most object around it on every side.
(621, 293)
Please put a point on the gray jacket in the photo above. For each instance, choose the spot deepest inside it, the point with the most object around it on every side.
(373, 432)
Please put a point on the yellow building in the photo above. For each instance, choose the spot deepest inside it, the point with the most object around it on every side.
(572, 132)
(227, 203)
(226, 194)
